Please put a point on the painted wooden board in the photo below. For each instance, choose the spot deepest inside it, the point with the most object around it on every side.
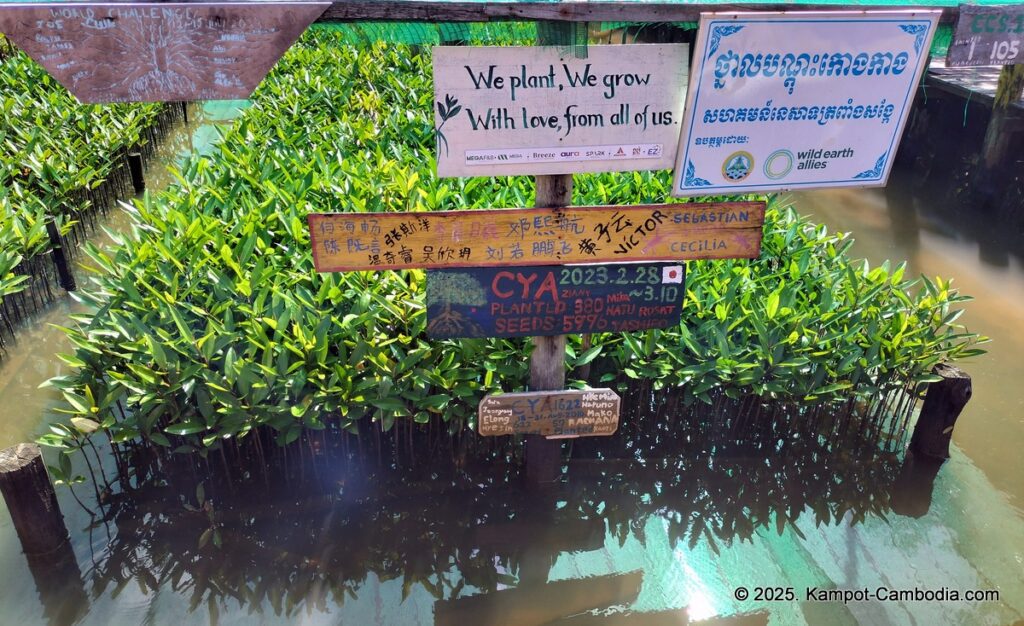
(987, 35)
(516, 237)
(553, 300)
(153, 52)
(537, 110)
(569, 413)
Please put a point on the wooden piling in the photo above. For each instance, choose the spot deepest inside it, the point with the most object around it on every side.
(135, 167)
(997, 147)
(60, 258)
(942, 406)
(911, 492)
(31, 500)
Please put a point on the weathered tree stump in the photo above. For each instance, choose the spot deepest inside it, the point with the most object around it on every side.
(31, 500)
(942, 406)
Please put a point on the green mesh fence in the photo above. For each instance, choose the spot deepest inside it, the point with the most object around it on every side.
(572, 36)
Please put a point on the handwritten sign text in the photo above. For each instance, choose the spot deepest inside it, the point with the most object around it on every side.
(515, 237)
(571, 413)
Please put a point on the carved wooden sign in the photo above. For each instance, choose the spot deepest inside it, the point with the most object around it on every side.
(516, 237)
(570, 413)
(157, 52)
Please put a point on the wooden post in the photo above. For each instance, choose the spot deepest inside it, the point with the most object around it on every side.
(997, 136)
(135, 167)
(60, 259)
(547, 363)
(942, 406)
(31, 500)
(911, 492)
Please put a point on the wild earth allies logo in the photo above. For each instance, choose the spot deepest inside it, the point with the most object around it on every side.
(817, 159)
(778, 164)
(737, 166)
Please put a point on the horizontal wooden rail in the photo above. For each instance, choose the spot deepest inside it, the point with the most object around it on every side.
(575, 11)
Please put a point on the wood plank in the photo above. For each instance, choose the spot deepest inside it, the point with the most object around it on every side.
(149, 52)
(569, 413)
(585, 11)
(538, 236)
(533, 605)
(550, 299)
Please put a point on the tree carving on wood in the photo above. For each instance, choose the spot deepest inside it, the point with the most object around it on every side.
(453, 288)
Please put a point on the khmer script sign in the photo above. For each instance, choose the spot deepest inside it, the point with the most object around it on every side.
(157, 51)
(800, 100)
(537, 110)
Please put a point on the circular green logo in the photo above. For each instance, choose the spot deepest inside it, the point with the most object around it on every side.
(738, 166)
(778, 164)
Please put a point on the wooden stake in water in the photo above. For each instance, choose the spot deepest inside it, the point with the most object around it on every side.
(942, 406)
(31, 500)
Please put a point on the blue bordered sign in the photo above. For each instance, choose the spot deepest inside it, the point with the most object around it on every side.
(799, 100)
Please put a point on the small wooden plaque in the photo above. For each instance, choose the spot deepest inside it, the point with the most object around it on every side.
(570, 413)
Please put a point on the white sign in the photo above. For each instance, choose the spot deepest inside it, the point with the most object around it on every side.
(790, 101)
(535, 110)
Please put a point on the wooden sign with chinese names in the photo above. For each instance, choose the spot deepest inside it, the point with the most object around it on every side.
(517, 237)
(552, 299)
(158, 52)
(569, 413)
(987, 35)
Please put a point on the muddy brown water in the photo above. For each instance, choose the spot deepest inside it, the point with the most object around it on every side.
(659, 524)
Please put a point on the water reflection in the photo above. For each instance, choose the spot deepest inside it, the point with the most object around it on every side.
(329, 527)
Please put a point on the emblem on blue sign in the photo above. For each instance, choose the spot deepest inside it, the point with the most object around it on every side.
(738, 166)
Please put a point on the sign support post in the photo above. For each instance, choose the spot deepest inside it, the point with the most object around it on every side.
(547, 362)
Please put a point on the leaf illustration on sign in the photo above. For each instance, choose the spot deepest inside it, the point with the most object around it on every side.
(447, 110)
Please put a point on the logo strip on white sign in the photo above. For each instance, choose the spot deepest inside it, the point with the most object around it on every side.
(574, 154)
(534, 110)
(801, 100)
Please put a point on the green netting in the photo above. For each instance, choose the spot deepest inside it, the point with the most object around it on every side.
(418, 33)
(571, 35)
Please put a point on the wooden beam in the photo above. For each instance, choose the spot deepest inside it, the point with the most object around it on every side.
(580, 11)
